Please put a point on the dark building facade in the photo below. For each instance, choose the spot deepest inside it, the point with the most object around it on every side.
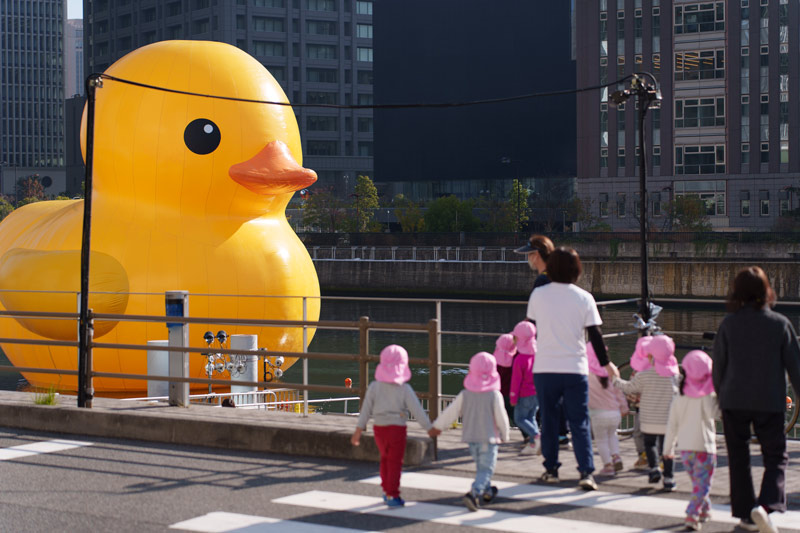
(461, 51)
(320, 51)
(726, 132)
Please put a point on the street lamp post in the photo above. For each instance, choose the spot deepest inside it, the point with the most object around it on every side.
(646, 95)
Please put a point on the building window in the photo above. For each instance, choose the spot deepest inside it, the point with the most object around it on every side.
(694, 112)
(765, 152)
(745, 153)
(272, 24)
(365, 99)
(655, 200)
(322, 97)
(322, 75)
(321, 51)
(656, 156)
(124, 21)
(363, 8)
(711, 193)
(322, 123)
(268, 49)
(698, 18)
(783, 202)
(621, 158)
(269, 3)
(703, 159)
(603, 157)
(364, 77)
(364, 54)
(322, 147)
(700, 65)
(744, 202)
(200, 26)
(763, 202)
(365, 124)
(621, 205)
(364, 31)
(365, 149)
(173, 9)
(603, 205)
(321, 27)
(321, 5)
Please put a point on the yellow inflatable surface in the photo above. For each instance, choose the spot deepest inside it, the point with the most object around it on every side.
(189, 194)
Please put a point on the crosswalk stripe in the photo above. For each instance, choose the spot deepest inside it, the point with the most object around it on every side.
(623, 502)
(221, 522)
(447, 514)
(36, 448)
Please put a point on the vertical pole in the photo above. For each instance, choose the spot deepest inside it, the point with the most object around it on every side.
(644, 309)
(363, 352)
(305, 359)
(92, 83)
(434, 374)
(177, 303)
(438, 370)
(89, 361)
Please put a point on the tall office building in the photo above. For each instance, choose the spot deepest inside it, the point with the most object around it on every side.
(727, 129)
(454, 51)
(74, 79)
(32, 93)
(320, 51)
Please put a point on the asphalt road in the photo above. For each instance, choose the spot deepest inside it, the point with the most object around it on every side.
(52, 485)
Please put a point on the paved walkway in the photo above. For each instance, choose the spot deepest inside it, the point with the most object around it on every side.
(328, 436)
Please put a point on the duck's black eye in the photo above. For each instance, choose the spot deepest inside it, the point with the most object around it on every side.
(201, 136)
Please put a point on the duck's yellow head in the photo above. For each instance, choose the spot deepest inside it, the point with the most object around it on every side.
(176, 147)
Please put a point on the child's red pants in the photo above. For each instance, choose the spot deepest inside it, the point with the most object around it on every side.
(391, 442)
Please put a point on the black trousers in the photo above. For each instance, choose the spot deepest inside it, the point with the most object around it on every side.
(768, 428)
(654, 449)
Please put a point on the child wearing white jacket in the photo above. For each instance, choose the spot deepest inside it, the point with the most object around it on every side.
(692, 426)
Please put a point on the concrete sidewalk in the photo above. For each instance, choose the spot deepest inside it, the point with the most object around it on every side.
(328, 436)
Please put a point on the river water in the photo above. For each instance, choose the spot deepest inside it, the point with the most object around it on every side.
(492, 319)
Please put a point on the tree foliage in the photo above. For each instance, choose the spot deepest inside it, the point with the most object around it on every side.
(518, 203)
(30, 189)
(408, 214)
(324, 211)
(5, 208)
(448, 213)
(365, 202)
(688, 213)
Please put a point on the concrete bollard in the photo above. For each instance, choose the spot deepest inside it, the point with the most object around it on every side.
(157, 365)
(250, 372)
(177, 303)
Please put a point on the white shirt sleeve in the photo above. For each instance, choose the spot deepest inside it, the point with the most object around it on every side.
(592, 314)
(531, 312)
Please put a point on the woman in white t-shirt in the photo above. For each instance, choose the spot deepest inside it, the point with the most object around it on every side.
(564, 313)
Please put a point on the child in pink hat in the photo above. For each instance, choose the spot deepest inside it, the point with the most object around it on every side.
(607, 406)
(522, 393)
(504, 352)
(388, 401)
(484, 421)
(657, 384)
(692, 427)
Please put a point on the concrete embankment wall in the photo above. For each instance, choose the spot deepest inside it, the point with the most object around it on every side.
(680, 270)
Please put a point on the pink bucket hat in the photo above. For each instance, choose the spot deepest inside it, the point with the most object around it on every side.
(483, 376)
(594, 363)
(639, 360)
(662, 348)
(525, 333)
(504, 350)
(697, 366)
(393, 367)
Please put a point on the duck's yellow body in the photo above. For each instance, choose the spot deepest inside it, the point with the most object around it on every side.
(189, 193)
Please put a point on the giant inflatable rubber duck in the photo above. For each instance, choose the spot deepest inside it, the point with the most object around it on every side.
(190, 194)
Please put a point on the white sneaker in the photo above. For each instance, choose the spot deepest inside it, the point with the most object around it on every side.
(530, 449)
(761, 519)
(537, 445)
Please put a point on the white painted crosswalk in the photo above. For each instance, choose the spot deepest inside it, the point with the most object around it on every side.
(219, 522)
(37, 448)
(637, 508)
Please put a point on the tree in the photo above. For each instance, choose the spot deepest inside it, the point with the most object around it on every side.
(518, 202)
(497, 215)
(448, 213)
(688, 213)
(552, 201)
(409, 214)
(5, 208)
(30, 189)
(365, 197)
(324, 210)
(580, 210)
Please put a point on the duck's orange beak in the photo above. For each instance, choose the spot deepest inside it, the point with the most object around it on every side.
(272, 171)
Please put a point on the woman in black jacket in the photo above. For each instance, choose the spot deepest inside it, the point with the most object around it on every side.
(754, 349)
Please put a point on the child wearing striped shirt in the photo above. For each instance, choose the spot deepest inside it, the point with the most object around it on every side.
(656, 382)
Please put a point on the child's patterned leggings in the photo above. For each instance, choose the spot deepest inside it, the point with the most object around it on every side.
(700, 466)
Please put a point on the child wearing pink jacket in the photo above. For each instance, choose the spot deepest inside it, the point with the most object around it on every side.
(607, 406)
(522, 393)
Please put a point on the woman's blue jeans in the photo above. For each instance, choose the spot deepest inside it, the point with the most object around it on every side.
(525, 415)
(574, 389)
(485, 455)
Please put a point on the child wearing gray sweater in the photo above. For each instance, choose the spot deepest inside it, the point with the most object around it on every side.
(388, 401)
(485, 424)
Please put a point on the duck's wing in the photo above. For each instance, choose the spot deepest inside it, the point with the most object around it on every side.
(49, 281)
